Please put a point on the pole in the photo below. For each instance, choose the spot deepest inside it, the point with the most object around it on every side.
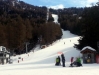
(26, 48)
(3, 58)
(27, 43)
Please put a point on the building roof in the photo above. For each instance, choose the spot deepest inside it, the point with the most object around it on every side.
(88, 49)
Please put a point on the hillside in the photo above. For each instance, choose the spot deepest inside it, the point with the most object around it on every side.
(42, 61)
(21, 23)
(63, 45)
(42, 56)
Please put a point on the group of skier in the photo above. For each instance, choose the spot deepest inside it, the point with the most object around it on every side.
(58, 60)
(73, 63)
(76, 63)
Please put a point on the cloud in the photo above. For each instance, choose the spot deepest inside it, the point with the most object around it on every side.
(62, 3)
(90, 1)
(87, 3)
(60, 6)
(83, 3)
(70, 3)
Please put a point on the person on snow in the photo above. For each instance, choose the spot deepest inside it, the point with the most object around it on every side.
(78, 61)
(72, 58)
(57, 61)
(72, 61)
(63, 60)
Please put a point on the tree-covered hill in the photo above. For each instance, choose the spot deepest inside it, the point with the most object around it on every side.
(90, 28)
(69, 19)
(83, 22)
(21, 23)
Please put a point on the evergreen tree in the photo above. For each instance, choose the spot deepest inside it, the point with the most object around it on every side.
(90, 28)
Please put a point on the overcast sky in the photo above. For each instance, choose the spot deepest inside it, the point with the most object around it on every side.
(61, 3)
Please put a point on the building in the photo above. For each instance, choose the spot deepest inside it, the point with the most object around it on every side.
(43, 46)
(89, 54)
(4, 55)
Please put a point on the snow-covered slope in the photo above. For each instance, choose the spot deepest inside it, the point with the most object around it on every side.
(42, 61)
(49, 54)
(55, 18)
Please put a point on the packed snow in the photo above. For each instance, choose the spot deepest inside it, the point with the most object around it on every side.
(42, 61)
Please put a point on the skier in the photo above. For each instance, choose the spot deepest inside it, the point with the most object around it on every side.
(72, 58)
(78, 62)
(57, 61)
(63, 60)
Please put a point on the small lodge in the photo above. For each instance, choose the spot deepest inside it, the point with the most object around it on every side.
(89, 54)
(4, 55)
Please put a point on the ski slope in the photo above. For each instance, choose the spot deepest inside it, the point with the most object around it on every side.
(51, 52)
(42, 61)
(55, 18)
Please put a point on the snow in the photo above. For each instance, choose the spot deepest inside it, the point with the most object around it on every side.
(88, 48)
(2, 48)
(47, 14)
(13, 2)
(42, 61)
(55, 18)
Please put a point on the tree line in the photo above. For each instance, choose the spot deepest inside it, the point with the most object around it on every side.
(21, 23)
(83, 22)
(90, 28)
